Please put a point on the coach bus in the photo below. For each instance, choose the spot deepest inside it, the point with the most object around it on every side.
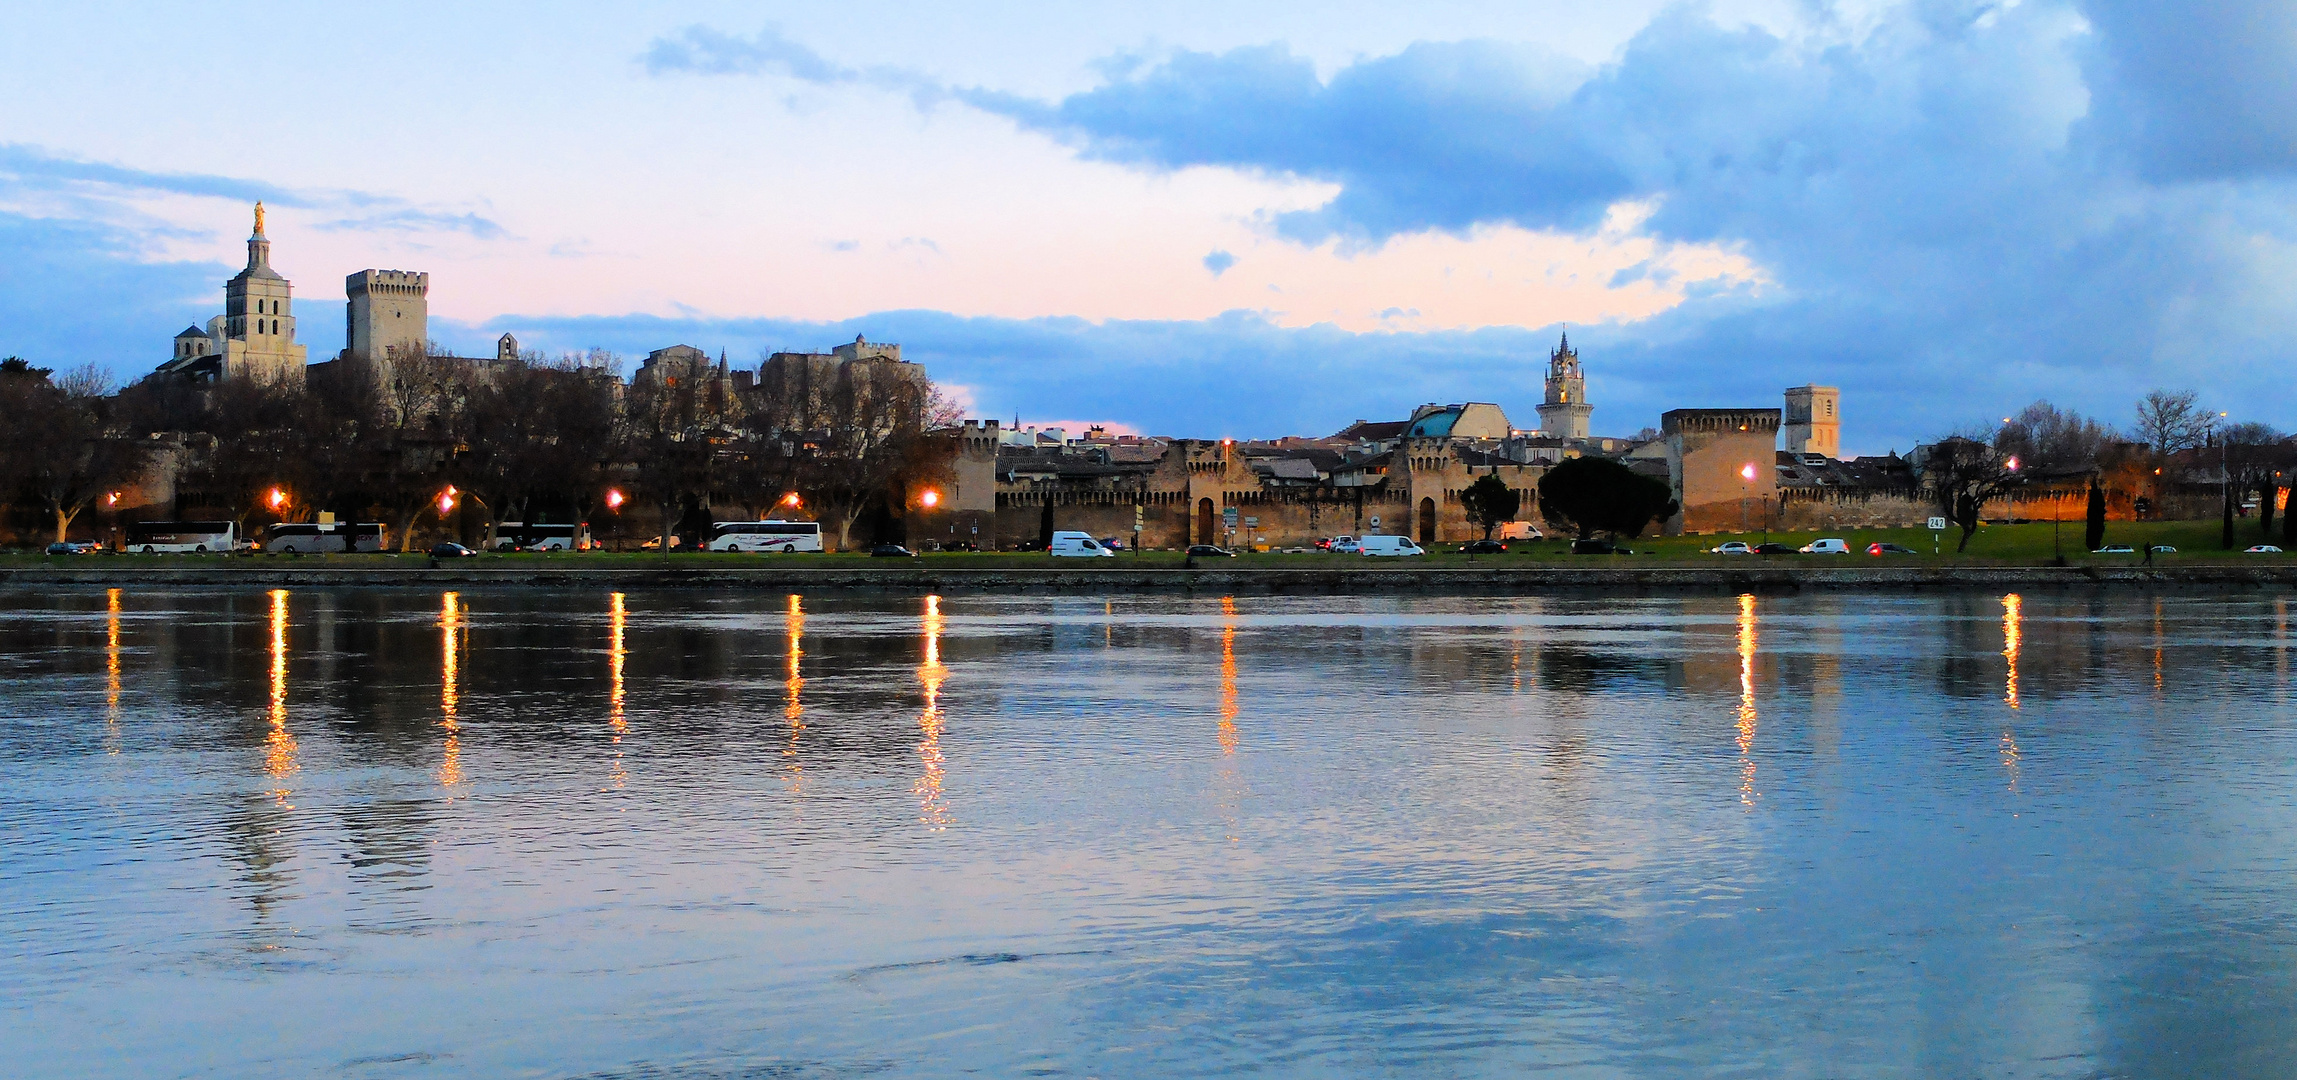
(302, 539)
(182, 537)
(781, 536)
(520, 536)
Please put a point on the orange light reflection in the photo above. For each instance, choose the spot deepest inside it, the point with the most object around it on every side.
(2012, 633)
(933, 807)
(112, 671)
(1228, 706)
(450, 687)
(793, 684)
(1747, 714)
(279, 745)
(617, 618)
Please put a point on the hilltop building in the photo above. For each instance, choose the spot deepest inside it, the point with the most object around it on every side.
(388, 314)
(254, 338)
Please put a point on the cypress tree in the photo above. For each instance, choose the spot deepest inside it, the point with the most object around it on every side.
(2094, 533)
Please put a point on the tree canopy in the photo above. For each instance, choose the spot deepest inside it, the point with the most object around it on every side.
(1593, 495)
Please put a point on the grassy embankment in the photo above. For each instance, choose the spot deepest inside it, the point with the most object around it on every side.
(1995, 545)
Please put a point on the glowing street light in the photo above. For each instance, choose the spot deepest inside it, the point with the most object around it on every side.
(2013, 463)
(613, 500)
(1747, 472)
(446, 500)
(112, 499)
(277, 499)
(790, 500)
(931, 499)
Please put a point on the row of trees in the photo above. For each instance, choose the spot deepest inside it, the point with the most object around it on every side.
(410, 439)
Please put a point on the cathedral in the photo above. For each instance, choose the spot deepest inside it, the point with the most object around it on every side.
(254, 338)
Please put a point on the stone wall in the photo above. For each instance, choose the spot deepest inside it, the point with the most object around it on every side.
(1722, 464)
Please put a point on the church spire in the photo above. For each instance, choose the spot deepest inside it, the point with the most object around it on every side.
(258, 246)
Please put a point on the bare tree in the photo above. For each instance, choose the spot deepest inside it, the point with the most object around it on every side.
(2169, 422)
(58, 443)
(2255, 458)
(2046, 439)
(1964, 474)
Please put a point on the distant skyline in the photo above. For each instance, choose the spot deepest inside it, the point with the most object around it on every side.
(1210, 220)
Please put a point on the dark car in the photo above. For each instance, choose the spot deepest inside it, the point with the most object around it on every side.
(1773, 549)
(1598, 547)
(74, 547)
(1207, 551)
(451, 550)
(959, 545)
(1483, 547)
(891, 551)
(1890, 549)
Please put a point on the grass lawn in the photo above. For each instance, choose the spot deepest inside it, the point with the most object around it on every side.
(2024, 544)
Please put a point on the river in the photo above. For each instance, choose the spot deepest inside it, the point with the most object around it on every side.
(687, 834)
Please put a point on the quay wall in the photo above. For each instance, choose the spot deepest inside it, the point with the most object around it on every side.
(1307, 581)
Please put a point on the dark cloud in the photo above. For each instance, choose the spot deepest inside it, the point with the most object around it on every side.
(2196, 91)
(29, 168)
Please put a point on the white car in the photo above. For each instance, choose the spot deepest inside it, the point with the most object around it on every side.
(1347, 545)
(1732, 547)
(1828, 546)
(2263, 549)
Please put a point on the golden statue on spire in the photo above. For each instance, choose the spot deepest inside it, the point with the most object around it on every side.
(259, 218)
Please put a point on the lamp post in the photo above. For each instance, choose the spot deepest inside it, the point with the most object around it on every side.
(614, 502)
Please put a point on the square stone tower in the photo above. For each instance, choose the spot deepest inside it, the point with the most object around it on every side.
(389, 313)
(1723, 465)
(259, 319)
(1813, 421)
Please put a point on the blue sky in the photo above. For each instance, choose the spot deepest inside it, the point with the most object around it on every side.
(1200, 220)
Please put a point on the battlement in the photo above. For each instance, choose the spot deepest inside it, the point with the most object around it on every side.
(1684, 421)
(387, 283)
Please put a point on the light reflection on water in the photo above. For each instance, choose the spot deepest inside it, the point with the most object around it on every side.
(362, 833)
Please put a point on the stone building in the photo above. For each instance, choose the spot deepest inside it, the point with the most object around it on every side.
(1722, 467)
(1813, 422)
(254, 338)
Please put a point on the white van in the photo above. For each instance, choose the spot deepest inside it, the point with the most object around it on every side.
(1390, 545)
(1825, 547)
(1078, 545)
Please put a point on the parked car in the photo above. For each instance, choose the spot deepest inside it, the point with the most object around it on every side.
(1890, 549)
(891, 551)
(1078, 545)
(1598, 547)
(1483, 547)
(1389, 546)
(2262, 549)
(1112, 543)
(2115, 549)
(448, 549)
(960, 545)
(1732, 547)
(75, 547)
(2164, 549)
(652, 543)
(1828, 546)
(1773, 549)
(1209, 551)
(1345, 545)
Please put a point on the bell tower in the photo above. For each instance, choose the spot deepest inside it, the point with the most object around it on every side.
(259, 318)
(1564, 412)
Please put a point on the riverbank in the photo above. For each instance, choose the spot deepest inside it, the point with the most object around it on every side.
(1325, 576)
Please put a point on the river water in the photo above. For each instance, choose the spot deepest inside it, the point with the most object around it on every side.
(678, 834)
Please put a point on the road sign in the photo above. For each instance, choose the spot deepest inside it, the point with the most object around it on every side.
(1228, 517)
(1938, 523)
(1251, 523)
(1375, 521)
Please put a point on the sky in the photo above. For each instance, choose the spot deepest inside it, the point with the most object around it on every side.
(1208, 219)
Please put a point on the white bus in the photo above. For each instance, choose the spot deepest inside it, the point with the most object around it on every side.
(781, 536)
(177, 537)
(519, 536)
(305, 538)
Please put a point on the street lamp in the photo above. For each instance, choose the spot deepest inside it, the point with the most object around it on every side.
(614, 502)
(1748, 473)
(930, 499)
